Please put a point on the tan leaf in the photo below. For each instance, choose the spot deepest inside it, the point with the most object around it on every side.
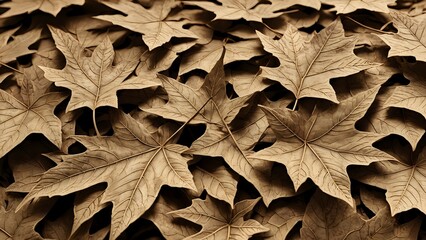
(53, 7)
(10, 50)
(410, 39)
(321, 146)
(134, 163)
(306, 67)
(250, 10)
(33, 112)
(217, 180)
(93, 80)
(411, 96)
(348, 6)
(170, 227)
(246, 79)
(280, 217)
(152, 23)
(219, 221)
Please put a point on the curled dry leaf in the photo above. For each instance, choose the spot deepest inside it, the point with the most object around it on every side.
(17, 7)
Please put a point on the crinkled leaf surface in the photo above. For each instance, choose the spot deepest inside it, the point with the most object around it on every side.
(53, 7)
(410, 39)
(321, 146)
(31, 111)
(250, 10)
(348, 6)
(10, 50)
(306, 67)
(134, 163)
(152, 23)
(94, 80)
(219, 221)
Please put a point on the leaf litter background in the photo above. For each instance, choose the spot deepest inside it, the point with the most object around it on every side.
(228, 119)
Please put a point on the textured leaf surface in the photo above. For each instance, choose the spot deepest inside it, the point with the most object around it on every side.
(133, 162)
(53, 7)
(94, 81)
(10, 50)
(321, 146)
(306, 67)
(410, 39)
(152, 23)
(250, 10)
(219, 221)
(348, 6)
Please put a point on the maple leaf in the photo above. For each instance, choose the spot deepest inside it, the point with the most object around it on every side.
(152, 23)
(21, 224)
(348, 6)
(219, 221)
(410, 39)
(10, 50)
(321, 146)
(210, 105)
(170, 227)
(93, 80)
(330, 218)
(411, 96)
(280, 217)
(30, 111)
(306, 67)
(217, 180)
(53, 7)
(134, 163)
(250, 10)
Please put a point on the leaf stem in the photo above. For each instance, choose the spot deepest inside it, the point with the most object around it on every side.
(295, 104)
(367, 27)
(94, 122)
(10, 67)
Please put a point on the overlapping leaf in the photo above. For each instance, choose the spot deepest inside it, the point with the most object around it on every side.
(134, 163)
(94, 80)
(321, 146)
(152, 23)
(306, 67)
(17, 7)
(219, 221)
(348, 6)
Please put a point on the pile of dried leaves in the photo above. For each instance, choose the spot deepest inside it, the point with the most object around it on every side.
(227, 119)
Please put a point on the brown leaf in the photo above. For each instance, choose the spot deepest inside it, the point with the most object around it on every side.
(250, 10)
(307, 67)
(134, 158)
(93, 80)
(321, 146)
(10, 50)
(410, 39)
(152, 23)
(219, 221)
(348, 6)
(17, 7)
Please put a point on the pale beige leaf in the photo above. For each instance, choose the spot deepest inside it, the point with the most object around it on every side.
(280, 217)
(152, 23)
(87, 203)
(219, 221)
(284, 4)
(9, 51)
(170, 227)
(133, 162)
(410, 39)
(246, 80)
(411, 96)
(204, 57)
(250, 10)
(217, 180)
(322, 146)
(307, 67)
(53, 7)
(348, 6)
(94, 80)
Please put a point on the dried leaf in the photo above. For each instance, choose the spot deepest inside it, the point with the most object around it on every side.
(219, 221)
(17, 7)
(143, 160)
(348, 6)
